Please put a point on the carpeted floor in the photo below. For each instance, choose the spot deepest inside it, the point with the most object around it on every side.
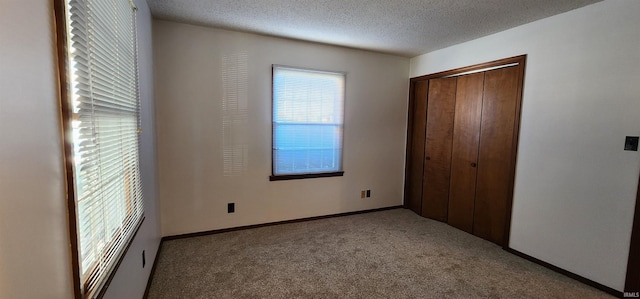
(388, 254)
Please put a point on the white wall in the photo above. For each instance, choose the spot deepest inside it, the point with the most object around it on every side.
(34, 236)
(131, 278)
(195, 128)
(575, 187)
(35, 259)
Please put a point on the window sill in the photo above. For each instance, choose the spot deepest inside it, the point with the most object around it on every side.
(101, 290)
(305, 176)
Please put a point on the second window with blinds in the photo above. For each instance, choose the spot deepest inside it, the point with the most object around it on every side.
(308, 119)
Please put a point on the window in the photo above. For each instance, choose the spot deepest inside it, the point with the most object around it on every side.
(104, 127)
(308, 117)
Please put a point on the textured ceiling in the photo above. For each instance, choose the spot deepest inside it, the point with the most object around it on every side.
(403, 27)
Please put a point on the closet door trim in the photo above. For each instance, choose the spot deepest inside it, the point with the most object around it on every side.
(486, 66)
(483, 70)
(410, 201)
(407, 156)
(520, 61)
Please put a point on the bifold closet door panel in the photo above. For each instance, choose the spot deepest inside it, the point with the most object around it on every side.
(466, 137)
(416, 156)
(495, 153)
(437, 148)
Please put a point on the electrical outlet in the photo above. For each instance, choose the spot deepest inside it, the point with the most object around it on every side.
(362, 194)
(231, 207)
(144, 260)
(368, 193)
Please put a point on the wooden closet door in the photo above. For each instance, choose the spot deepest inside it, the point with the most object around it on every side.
(466, 137)
(437, 149)
(415, 157)
(495, 153)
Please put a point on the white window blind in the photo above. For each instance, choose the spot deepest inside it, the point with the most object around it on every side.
(308, 109)
(106, 120)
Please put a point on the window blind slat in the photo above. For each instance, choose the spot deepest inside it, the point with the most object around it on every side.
(103, 63)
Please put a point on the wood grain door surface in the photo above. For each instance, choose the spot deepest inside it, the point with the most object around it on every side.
(437, 148)
(415, 159)
(466, 139)
(495, 153)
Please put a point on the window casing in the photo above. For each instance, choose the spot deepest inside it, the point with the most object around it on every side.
(308, 123)
(104, 127)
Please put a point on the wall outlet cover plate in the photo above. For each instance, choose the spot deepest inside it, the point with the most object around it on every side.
(631, 143)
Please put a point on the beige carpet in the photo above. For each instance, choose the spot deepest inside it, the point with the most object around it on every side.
(388, 254)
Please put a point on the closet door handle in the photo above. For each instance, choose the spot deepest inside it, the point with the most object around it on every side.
(473, 164)
(427, 158)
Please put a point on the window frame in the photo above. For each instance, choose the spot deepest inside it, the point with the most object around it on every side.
(296, 176)
(60, 15)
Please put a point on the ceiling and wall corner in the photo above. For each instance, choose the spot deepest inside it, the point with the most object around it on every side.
(407, 28)
(575, 186)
